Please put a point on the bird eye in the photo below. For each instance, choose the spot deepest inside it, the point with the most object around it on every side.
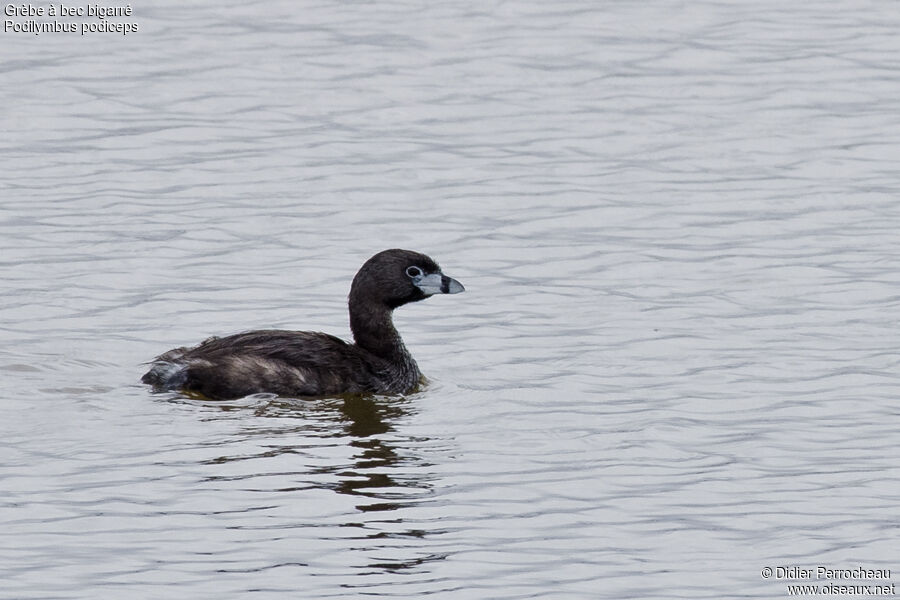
(414, 271)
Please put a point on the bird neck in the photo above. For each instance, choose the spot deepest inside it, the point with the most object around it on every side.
(373, 330)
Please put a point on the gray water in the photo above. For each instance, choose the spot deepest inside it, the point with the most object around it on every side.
(675, 363)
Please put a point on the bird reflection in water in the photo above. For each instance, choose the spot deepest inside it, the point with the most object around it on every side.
(379, 469)
(375, 465)
(389, 478)
(384, 475)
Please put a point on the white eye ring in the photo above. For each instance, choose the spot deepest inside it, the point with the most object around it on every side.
(413, 272)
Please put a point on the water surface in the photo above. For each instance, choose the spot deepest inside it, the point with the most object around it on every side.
(674, 365)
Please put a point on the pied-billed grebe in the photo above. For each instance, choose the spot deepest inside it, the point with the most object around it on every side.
(306, 363)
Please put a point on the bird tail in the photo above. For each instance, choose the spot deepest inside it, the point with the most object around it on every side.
(165, 375)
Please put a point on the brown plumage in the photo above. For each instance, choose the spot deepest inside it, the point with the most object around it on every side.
(305, 363)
